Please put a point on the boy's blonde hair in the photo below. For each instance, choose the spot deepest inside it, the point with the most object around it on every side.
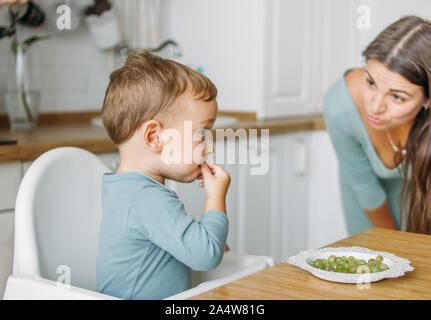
(146, 86)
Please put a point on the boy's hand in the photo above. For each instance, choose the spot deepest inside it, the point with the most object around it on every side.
(216, 180)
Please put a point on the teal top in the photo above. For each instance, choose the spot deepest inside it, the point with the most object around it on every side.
(148, 243)
(365, 181)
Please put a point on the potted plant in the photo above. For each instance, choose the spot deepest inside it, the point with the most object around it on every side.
(22, 104)
(103, 24)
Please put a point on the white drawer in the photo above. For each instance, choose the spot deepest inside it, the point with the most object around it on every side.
(10, 178)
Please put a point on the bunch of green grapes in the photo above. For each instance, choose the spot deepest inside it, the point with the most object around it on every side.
(350, 264)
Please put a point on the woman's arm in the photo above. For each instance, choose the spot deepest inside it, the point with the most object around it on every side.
(381, 217)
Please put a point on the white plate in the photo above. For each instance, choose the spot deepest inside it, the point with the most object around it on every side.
(397, 266)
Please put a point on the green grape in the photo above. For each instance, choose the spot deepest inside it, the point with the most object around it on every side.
(331, 259)
(352, 263)
(352, 269)
(339, 268)
(375, 269)
(363, 269)
(349, 264)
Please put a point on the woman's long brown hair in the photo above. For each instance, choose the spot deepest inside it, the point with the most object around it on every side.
(405, 47)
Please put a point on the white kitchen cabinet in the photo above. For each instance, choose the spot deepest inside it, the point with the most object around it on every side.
(275, 57)
(326, 219)
(11, 174)
(309, 44)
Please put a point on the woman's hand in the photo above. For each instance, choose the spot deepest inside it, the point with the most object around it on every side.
(12, 2)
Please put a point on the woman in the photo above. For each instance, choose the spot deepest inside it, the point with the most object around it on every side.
(379, 121)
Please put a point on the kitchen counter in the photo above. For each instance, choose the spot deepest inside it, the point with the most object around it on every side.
(77, 130)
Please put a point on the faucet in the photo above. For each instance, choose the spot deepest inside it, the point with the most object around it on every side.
(123, 50)
(177, 49)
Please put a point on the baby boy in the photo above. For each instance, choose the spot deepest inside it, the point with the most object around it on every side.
(147, 242)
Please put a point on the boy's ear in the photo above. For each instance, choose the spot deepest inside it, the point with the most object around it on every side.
(150, 132)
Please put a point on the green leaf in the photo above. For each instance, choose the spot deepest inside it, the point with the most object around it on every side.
(3, 31)
(28, 42)
(6, 32)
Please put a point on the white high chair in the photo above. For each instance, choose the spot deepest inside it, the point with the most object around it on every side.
(57, 216)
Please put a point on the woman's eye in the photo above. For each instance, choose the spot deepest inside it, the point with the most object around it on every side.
(370, 83)
(398, 98)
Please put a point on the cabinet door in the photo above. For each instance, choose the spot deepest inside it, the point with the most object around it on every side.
(326, 218)
(308, 45)
(272, 208)
(259, 201)
(295, 195)
(287, 57)
(10, 179)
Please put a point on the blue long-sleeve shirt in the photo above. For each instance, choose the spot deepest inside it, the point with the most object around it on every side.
(148, 243)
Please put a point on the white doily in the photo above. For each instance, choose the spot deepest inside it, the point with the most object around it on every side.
(397, 266)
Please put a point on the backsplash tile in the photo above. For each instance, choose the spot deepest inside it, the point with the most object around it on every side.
(71, 72)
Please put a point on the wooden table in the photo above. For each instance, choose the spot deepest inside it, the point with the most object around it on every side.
(285, 281)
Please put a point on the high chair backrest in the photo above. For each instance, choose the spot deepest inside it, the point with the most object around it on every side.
(57, 217)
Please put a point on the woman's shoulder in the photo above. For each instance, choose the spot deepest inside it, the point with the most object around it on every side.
(339, 102)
